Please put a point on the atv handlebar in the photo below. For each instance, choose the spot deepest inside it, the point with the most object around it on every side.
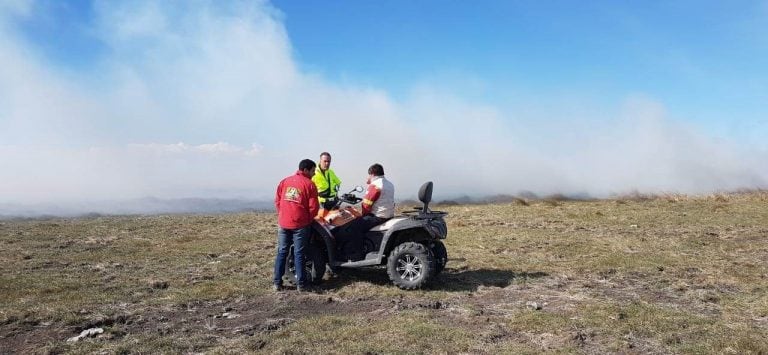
(350, 198)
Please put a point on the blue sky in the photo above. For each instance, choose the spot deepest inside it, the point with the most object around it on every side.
(213, 97)
(703, 59)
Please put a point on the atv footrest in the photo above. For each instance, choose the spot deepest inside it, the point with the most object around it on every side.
(358, 263)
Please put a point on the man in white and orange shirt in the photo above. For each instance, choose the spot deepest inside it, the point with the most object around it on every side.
(379, 200)
(377, 207)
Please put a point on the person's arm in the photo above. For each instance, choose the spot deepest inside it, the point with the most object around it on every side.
(320, 183)
(278, 196)
(371, 196)
(335, 183)
(314, 205)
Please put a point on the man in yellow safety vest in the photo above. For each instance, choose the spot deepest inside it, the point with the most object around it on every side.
(327, 183)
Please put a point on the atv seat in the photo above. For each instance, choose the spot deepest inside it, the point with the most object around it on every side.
(425, 196)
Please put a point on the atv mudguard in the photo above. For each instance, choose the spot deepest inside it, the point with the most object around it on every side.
(328, 239)
(387, 243)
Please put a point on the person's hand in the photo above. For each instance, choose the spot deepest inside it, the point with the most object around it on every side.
(355, 212)
(321, 220)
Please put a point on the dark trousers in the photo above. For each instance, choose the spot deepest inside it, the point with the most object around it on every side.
(299, 238)
(352, 235)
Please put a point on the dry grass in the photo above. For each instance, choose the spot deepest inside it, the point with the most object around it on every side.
(635, 274)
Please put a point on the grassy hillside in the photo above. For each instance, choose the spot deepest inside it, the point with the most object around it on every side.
(635, 275)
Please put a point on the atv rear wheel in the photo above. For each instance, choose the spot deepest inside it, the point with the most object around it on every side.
(440, 254)
(410, 265)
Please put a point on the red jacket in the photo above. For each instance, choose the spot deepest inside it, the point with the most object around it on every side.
(296, 201)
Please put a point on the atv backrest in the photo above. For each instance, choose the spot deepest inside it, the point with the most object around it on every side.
(425, 195)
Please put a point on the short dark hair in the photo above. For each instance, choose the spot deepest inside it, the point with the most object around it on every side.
(306, 164)
(325, 153)
(376, 170)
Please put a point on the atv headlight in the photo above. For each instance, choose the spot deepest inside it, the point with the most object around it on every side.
(438, 229)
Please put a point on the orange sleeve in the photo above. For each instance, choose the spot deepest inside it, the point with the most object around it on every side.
(371, 196)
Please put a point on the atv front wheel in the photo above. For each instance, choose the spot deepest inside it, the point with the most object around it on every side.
(410, 265)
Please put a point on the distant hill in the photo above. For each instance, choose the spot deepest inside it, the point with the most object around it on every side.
(147, 205)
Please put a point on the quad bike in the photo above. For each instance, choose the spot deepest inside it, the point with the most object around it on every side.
(409, 245)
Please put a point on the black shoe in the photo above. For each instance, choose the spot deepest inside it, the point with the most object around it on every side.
(277, 288)
(333, 271)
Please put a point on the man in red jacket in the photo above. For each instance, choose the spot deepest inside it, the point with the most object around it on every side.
(296, 204)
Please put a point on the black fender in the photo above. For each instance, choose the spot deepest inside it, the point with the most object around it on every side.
(417, 225)
(328, 239)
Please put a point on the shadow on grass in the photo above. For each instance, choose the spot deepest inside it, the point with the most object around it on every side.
(448, 280)
(471, 280)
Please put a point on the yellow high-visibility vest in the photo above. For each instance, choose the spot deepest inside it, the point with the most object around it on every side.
(327, 184)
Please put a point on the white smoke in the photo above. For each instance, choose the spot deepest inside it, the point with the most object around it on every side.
(207, 100)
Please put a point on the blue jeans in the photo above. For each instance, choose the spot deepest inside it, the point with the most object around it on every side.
(299, 238)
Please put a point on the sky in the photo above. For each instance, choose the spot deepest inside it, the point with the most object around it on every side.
(109, 101)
